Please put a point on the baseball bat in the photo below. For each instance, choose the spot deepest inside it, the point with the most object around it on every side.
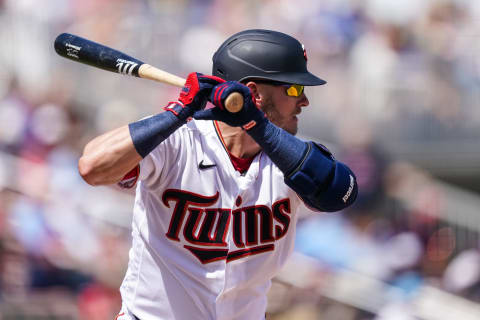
(97, 55)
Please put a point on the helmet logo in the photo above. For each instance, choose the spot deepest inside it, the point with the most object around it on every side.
(304, 52)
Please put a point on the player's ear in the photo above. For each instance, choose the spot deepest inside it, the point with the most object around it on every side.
(255, 92)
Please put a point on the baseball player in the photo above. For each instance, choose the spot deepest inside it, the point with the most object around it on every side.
(217, 197)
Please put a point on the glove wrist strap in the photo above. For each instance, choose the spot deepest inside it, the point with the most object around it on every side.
(181, 111)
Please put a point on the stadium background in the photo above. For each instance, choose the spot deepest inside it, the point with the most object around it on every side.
(400, 107)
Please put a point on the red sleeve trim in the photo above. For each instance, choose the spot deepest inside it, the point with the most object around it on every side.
(130, 179)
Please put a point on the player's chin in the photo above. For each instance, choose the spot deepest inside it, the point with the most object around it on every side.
(292, 127)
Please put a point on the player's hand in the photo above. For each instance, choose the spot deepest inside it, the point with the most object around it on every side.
(247, 118)
(197, 89)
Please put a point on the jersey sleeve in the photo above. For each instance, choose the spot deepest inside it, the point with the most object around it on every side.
(162, 159)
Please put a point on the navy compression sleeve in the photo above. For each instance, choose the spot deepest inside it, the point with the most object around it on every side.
(284, 149)
(148, 133)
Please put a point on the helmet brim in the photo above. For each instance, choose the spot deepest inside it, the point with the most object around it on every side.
(302, 78)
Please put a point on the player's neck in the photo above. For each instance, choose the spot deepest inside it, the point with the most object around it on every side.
(238, 142)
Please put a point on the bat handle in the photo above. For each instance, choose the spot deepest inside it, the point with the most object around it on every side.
(234, 102)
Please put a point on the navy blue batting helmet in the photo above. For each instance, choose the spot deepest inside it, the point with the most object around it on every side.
(265, 55)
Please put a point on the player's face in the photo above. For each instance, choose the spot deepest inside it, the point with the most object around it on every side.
(281, 108)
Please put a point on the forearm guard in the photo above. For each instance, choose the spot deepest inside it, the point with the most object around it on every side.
(321, 181)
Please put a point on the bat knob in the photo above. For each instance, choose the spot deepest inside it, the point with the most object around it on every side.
(234, 102)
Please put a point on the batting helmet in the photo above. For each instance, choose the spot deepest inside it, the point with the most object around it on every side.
(263, 54)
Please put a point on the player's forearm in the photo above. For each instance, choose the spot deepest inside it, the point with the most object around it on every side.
(107, 158)
(309, 169)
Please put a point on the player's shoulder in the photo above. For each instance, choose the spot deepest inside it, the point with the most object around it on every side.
(192, 132)
(200, 126)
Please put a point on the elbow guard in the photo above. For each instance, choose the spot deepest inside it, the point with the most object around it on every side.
(322, 182)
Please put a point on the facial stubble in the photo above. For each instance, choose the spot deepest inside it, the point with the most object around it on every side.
(275, 117)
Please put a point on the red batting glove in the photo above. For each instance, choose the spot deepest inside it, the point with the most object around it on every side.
(194, 95)
(197, 89)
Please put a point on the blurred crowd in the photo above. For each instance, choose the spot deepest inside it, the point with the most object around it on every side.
(399, 73)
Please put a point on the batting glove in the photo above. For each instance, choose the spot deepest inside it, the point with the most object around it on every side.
(194, 94)
(248, 117)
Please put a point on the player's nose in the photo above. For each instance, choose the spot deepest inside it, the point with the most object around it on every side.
(303, 102)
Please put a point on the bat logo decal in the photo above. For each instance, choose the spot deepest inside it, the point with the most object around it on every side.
(125, 67)
(72, 51)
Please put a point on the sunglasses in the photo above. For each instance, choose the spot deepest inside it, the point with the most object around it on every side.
(292, 90)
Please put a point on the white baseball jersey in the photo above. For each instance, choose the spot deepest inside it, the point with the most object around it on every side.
(206, 239)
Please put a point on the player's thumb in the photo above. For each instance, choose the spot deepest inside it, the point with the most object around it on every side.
(207, 114)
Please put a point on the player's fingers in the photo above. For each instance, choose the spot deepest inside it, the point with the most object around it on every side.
(222, 91)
